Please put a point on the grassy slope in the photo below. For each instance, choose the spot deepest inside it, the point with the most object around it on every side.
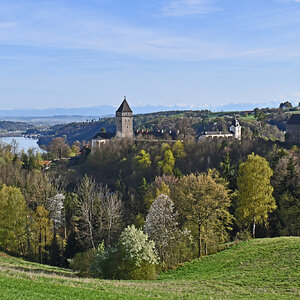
(262, 268)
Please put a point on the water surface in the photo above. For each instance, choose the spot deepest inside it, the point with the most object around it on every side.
(24, 144)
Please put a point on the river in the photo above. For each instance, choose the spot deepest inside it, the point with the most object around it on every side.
(23, 143)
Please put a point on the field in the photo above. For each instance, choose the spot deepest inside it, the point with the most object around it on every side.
(261, 268)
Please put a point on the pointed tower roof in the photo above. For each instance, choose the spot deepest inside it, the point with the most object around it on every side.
(124, 107)
(235, 122)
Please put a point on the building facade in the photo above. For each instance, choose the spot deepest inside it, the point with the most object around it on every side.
(124, 121)
(235, 131)
(293, 129)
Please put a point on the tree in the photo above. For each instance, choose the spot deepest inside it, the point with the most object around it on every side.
(133, 257)
(167, 164)
(162, 227)
(289, 213)
(261, 117)
(161, 224)
(203, 206)
(228, 171)
(286, 104)
(13, 219)
(255, 200)
(138, 256)
(42, 229)
(112, 208)
(56, 206)
(59, 148)
(178, 150)
(143, 159)
(89, 204)
(102, 130)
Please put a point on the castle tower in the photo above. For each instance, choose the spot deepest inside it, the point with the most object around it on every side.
(124, 119)
(236, 129)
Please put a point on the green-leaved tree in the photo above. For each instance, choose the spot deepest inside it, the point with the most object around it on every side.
(255, 199)
(13, 219)
(203, 206)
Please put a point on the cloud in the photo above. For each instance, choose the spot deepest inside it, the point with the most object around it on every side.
(182, 8)
(58, 26)
(62, 27)
(6, 25)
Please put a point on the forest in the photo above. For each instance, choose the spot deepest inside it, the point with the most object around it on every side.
(132, 209)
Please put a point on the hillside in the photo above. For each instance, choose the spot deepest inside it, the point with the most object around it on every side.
(261, 268)
(83, 131)
(187, 123)
(15, 127)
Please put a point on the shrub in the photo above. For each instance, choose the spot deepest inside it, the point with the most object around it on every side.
(133, 258)
(243, 235)
(106, 263)
(82, 262)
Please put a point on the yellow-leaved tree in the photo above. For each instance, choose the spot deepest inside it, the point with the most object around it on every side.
(13, 219)
(203, 207)
(143, 159)
(42, 232)
(255, 200)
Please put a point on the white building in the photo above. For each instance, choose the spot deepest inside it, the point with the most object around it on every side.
(235, 131)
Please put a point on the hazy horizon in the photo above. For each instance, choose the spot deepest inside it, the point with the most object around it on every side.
(109, 110)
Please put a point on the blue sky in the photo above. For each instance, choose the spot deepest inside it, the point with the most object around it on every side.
(71, 53)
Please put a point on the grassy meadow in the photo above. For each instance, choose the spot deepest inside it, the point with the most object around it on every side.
(261, 268)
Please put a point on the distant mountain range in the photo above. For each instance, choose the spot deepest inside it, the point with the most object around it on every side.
(109, 110)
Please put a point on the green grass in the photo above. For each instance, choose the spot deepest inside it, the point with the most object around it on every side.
(258, 269)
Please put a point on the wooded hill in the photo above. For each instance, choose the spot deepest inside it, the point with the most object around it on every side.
(266, 123)
(9, 126)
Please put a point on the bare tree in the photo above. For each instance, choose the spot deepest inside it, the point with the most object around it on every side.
(112, 207)
(59, 148)
(89, 197)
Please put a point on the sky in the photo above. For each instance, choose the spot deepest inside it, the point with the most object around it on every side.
(194, 53)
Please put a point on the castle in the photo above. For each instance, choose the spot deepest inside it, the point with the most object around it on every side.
(124, 128)
(124, 121)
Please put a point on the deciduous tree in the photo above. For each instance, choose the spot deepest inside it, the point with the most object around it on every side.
(162, 227)
(59, 148)
(13, 219)
(255, 200)
(203, 206)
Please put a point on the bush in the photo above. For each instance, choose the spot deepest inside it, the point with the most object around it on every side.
(133, 258)
(243, 235)
(82, 262)
(106, 263)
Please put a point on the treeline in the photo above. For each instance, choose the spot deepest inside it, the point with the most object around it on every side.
(9, 126)
(133, 208)
(267, 123)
